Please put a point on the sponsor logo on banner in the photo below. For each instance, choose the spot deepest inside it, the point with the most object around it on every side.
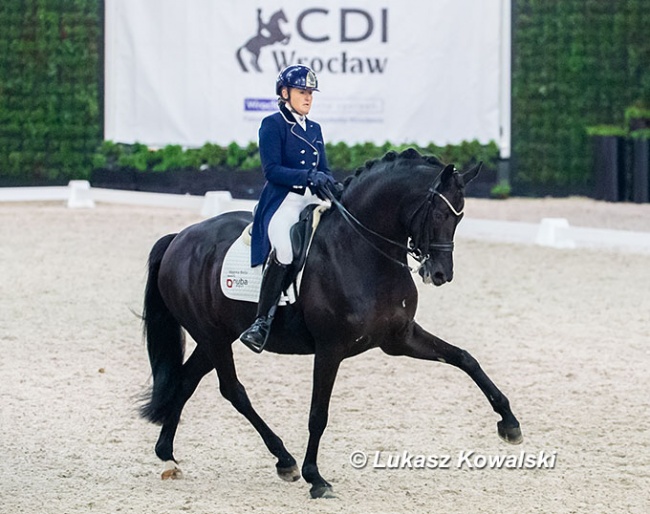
(260, 104)
(280, 38)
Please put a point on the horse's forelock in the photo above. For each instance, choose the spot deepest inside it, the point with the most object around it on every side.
(458, 178)
(456, 183)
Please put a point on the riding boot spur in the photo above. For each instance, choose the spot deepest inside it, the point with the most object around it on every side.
(273, 282)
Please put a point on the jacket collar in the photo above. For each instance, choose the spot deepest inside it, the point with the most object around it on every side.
(289, 116)
(296, 129)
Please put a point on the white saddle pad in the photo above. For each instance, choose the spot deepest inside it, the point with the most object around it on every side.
(241, 282)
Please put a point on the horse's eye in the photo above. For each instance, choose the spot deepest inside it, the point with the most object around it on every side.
(438, 216)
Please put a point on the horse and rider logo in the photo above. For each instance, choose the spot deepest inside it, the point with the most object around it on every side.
(268, 33)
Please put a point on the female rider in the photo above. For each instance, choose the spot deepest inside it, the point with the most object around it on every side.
(292, 151)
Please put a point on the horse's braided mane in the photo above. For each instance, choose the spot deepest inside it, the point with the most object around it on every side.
(411, 156)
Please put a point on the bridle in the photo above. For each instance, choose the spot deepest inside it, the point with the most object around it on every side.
(410, 249)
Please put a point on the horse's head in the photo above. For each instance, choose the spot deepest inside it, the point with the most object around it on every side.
(434, 224)
(278, 16)
(407, 198)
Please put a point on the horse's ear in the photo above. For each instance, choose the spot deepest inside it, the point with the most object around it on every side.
(471, 173)
(447, 173)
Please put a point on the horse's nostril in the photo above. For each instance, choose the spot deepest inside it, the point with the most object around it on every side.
(439, 275)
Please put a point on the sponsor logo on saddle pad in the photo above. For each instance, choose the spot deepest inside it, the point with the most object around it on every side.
(236, 282)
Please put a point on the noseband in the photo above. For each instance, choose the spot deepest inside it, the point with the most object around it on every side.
(416, 253)
(441, 246)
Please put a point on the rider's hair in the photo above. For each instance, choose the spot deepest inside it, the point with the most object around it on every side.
(281, 99)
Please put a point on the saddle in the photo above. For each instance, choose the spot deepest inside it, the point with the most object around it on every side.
(241, 282)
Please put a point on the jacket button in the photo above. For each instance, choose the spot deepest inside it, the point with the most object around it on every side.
(313, 164)
(302, 162)
(302, 151)
(315, 153)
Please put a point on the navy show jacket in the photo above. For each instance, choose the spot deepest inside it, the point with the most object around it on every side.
(287, 153)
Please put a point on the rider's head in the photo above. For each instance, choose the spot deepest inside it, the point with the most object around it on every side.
(295, 85)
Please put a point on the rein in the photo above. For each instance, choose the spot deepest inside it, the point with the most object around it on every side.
(416, 253)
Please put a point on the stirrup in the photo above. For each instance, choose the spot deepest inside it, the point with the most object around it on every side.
(257, 334)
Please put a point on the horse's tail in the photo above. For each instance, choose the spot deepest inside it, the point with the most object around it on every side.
(165, 342)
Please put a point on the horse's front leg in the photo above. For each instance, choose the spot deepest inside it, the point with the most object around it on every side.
(420, 344)
(325, 369)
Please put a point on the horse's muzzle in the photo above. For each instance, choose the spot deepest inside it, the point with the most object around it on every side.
(435, 274)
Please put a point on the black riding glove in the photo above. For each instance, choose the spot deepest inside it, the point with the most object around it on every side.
(318, 181)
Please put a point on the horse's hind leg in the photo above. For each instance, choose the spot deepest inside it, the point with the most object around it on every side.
(420, 344)
(196, 367)
(233, 391)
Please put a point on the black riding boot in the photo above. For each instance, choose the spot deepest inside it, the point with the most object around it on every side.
(271, 289)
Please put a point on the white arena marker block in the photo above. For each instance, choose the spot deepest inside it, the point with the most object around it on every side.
(554, 232)
(79, 195)
(215, 203)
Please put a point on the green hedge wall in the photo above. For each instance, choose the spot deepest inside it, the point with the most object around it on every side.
(49, 76)
(341, 157)
(576, 63)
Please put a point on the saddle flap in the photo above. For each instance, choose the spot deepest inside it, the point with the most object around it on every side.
(300, 234)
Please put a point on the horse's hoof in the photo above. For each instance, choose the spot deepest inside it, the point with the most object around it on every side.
(510, 435)
(289, 474)
(322, 491)
(171, 471)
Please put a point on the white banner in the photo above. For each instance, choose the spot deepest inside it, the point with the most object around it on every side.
(189, 72)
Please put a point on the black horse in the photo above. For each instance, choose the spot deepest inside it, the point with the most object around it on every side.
(356, 293)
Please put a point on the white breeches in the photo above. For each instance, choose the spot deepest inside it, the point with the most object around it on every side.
(282, 221)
